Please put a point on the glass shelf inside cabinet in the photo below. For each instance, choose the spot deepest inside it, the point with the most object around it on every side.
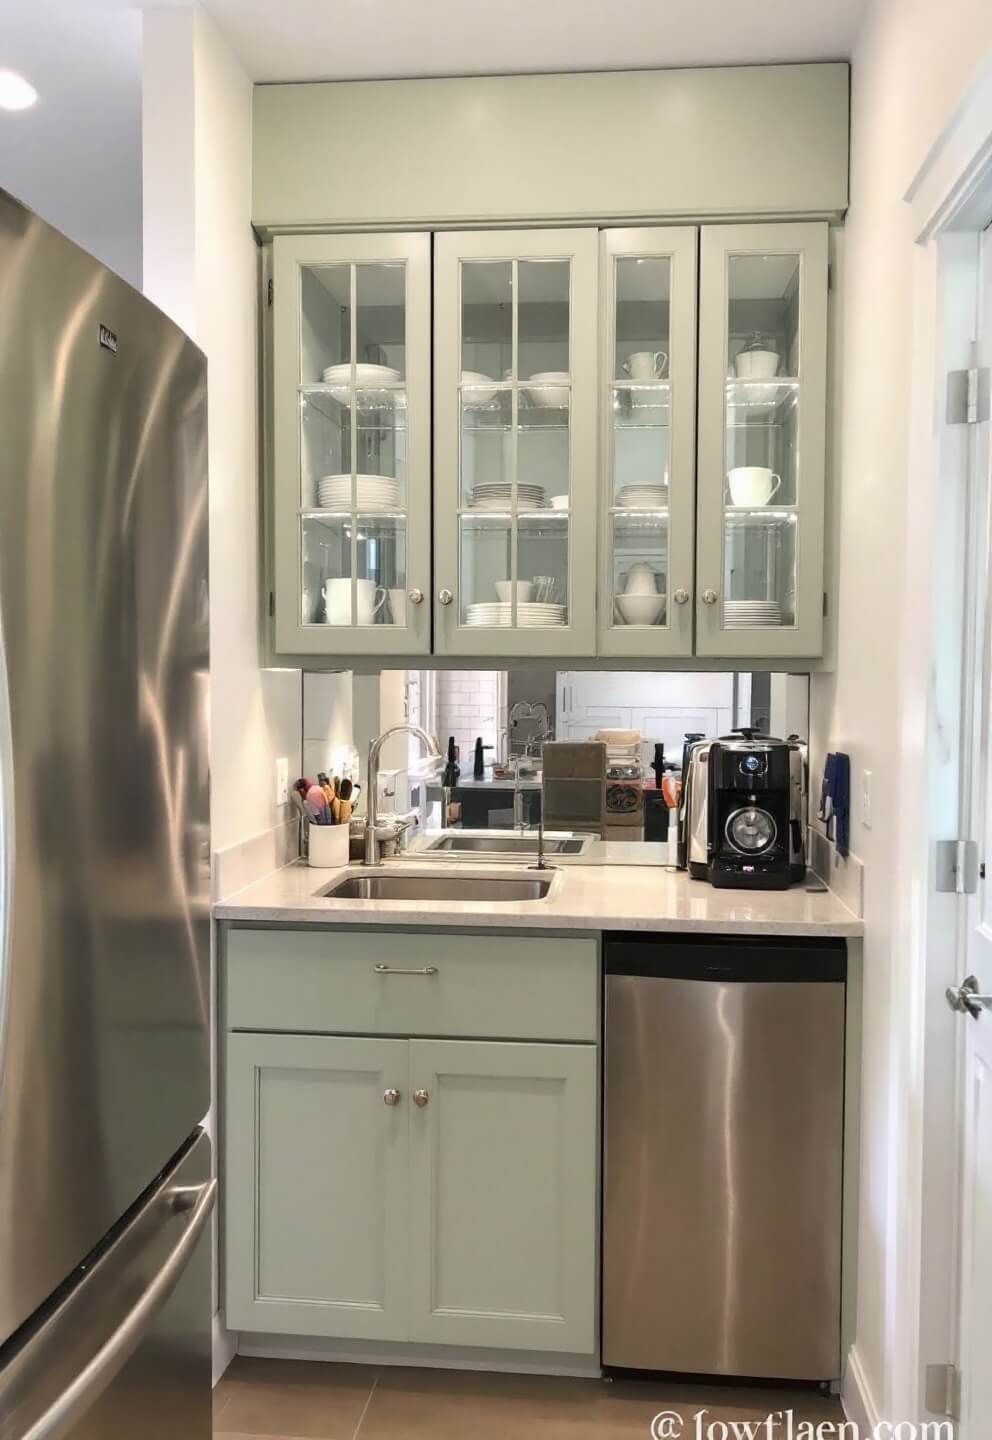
(748, 399)
(642, 405)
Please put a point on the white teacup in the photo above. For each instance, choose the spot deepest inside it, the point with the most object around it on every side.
(752, 484)
(525, 591)
(645, 364)
(337, 601)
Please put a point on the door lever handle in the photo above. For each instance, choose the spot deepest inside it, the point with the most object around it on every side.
(966, 999)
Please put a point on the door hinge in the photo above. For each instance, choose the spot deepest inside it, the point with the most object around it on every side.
(271, 289)
(968, 396)
(957, 867)
(942, 1391)
(272, 602)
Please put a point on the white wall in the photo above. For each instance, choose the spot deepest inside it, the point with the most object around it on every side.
(912, 62)
(200, 263)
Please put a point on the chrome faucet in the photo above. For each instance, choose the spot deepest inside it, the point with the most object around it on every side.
(372, 856)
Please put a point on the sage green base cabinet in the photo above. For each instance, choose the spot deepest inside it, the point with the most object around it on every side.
(397, 1188)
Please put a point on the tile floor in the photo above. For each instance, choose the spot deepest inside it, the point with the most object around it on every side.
(296, 1400)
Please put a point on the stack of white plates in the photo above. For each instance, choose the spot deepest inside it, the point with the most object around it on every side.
(642, 497)
(498, 495)
(530, 614)
(747, 614)
(375, 492)
(364, 375)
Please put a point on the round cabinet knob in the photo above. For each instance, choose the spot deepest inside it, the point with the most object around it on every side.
(681, 597)
(709, 597)
(421, 1097)
(415, 597)
(391, 1097)
(445, 597)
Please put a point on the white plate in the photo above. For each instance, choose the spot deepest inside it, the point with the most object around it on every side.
(365, 374)
(483, 390)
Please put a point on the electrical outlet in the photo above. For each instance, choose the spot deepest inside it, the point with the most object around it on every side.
(866, 799)
(282, 780)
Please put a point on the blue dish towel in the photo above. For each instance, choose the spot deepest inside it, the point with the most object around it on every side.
(835, 801)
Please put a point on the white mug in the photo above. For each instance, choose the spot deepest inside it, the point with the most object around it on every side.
(397, 604)
(337, 601)
(752, 484)
(645, 364)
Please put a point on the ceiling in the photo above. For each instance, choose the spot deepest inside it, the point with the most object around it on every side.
(75, 156)
(360, 39)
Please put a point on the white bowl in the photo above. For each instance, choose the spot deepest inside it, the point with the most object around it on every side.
(553, 395)
(474, 398)
(640, 609)
(525, 591)
(365, 374)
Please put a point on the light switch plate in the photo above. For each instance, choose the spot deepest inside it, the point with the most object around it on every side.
(282, 780)
(866, 799)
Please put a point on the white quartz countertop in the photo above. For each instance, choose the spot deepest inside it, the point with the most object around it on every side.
(592, 897)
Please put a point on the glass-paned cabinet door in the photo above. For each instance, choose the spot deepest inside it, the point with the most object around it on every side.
(762, 414)
(351, 454)
(515, 442)
(647, 440)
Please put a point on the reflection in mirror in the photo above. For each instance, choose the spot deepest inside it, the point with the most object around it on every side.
(501, 723)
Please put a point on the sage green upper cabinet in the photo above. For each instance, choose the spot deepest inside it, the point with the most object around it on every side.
(515, 473)
(648, 395)
(762, 414)
(351, 396)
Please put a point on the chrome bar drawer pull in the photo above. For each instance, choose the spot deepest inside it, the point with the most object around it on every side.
(399, 970)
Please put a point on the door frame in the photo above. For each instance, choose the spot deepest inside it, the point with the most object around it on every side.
(950, 201)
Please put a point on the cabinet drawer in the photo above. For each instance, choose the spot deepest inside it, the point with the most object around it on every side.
(325, 981)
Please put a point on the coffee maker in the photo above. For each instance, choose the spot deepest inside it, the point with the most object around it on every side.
(743, 824)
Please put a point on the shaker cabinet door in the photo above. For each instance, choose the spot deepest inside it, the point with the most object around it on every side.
(647, 441)
(762, 417)
(351, 394)
(503, 1195)
(515, 461)
(317, 1174)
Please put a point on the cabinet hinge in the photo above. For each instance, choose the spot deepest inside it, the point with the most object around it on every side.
(957, 867)
(272, 602)
(968, 396)
(942, 1391)
(826, 605)
(271, 289)
(830, 277)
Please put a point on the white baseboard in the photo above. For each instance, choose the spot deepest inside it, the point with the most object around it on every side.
(364, 1352)
(855, 1395)
(224, 1345)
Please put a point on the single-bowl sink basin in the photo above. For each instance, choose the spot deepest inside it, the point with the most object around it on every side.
(509, 844)
(389, 885)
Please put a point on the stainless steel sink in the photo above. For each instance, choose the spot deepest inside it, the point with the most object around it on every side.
(390, 885)
(509, 844)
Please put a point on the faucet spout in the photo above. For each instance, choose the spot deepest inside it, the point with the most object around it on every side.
(431, 747)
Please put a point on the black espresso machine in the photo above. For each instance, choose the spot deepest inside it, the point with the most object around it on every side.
(742, 818)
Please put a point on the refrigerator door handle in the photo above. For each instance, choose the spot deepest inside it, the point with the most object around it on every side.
(95, 1377)
(6, 842)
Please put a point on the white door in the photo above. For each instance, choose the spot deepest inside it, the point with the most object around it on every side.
(975, 1291)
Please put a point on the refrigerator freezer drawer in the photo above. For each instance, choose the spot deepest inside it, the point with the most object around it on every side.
(723, 1175)
(126, 1350)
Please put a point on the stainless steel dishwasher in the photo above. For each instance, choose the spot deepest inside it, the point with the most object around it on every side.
(723, 1136)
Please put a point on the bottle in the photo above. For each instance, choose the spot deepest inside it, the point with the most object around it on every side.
(479, 765)
(452, 771)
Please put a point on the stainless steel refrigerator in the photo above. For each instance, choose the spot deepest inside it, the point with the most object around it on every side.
(105, 1173)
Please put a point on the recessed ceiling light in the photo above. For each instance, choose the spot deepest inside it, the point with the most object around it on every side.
(15, 92)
